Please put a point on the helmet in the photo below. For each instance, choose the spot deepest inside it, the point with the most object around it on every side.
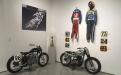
(91, 5)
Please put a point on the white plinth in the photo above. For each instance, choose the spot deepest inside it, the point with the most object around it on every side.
(52, 54)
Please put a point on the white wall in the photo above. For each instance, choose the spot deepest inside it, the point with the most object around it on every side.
(12, 38)
(108, 20)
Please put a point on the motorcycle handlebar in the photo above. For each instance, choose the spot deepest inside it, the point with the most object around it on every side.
(38, 46)
(82, 48)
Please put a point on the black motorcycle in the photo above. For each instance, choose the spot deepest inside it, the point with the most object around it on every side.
(24, 59)
(76, 58)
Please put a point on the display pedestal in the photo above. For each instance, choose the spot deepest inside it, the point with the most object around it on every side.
(52, 54)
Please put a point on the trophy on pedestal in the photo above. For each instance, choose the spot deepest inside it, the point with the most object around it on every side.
(52, 50)
(51, 42)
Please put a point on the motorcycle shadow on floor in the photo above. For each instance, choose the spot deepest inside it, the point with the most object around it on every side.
(78, 68)
(26, 69)
(82, 69)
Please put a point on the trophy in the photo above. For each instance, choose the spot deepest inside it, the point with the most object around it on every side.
(51, 43)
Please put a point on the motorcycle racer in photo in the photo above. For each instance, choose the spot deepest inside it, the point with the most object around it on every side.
(36, 20)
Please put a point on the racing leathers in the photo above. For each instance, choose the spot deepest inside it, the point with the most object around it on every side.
(76, 20)
(91, 21)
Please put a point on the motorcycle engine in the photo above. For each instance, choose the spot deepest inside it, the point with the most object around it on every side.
(80, 60)
(32, 58)
(76, 59)
(73, 58)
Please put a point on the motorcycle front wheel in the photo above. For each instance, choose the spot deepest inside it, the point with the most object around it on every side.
(65, 59)
(92, 65)
(13, 66)
(43, 59)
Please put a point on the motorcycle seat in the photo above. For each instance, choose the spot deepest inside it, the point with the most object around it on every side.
(69, 52)
(79, 48)
(24, 53)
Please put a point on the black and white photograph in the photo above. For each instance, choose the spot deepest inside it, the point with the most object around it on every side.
(67, 45)
(33, 18)
(67, 34)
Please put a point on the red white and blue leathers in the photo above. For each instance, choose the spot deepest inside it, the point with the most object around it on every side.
(76, 20)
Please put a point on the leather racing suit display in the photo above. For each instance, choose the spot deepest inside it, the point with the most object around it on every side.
(91, 20)
(76, 20)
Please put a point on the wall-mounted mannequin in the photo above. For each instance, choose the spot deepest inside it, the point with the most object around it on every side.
(91, 21)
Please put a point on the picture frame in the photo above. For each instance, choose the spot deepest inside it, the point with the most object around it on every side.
(33, 18)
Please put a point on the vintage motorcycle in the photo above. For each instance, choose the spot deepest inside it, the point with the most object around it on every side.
(24, 59)
(76, 58)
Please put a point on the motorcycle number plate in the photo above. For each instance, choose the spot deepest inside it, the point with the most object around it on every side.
(17, 58)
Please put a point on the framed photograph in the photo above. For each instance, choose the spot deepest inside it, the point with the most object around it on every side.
(33, 18)
(104, 41)
(67, 45)
(104, 34)
(103, 48)
(67, 39)
(67, 34)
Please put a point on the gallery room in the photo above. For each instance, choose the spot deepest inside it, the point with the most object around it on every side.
(60, 37)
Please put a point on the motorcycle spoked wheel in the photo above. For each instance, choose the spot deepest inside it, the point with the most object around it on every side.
(43, 59)
(13, 66)
(65, 59)
(92, 65)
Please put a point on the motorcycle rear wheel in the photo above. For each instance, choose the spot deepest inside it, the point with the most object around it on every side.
(91, 67)
(10, 65)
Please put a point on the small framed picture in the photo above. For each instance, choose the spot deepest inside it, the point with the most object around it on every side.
(103, 41)
(104, 34)
(103, 48)
(67, 39)
(67, 45)
(67, 34)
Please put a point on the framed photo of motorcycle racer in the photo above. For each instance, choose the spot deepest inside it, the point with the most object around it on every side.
(67, 45)
(67, 34)
(33, 18)
(103, 48)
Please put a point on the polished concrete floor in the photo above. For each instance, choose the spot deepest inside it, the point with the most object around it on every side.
(53, 69)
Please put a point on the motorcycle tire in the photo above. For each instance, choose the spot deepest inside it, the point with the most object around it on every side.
(11, 59)
(67, 60)
(90, 61)
(40, 58)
